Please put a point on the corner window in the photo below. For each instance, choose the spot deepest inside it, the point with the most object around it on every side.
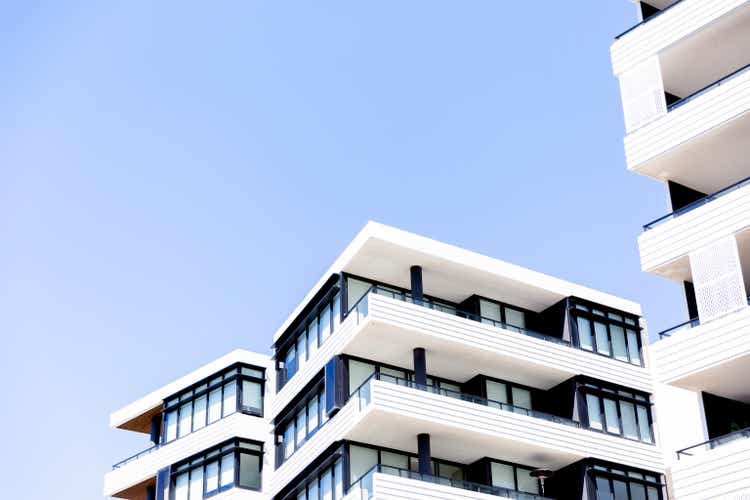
(607, 332)
(304, 419)
(215, 398)
(624, 484)
(234, 464)
(621, 412)
(513, 477)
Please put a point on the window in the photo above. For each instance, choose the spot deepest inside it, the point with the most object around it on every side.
(361, 460)
(236, 463)
(327, 484)
(513, 477)
(311, 333)
(618, 411)
(498, 314)
(358, 373)
(301, 421)
(622, 484)
(355, 290)
(606, 332)
(508, 393)
(210, 400)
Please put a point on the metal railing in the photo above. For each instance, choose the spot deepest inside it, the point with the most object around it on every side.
(708, 87)
(698, 203)
(687, 325)
(136, 456)
(363, 487)
(362, 393)
(361, 309)
(714, 443)
(646, 20)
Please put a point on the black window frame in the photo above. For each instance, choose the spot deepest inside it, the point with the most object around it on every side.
(314, 390)
(601, 390)
(587, 313)
(176, 401)
(515, 466)
(616, 472)
(215, 453)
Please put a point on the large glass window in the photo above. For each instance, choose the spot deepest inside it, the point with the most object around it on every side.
(327, 484)
(622, 484)
(213, 399)
(493, 312)
(508, 393)
(236, 463)
(618, 411)
(302, 421)
(513, 477)
(359, 371)
(364, 458)
(309, 336)
(607, 332)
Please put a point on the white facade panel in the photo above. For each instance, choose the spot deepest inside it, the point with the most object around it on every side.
(145, 467)
(696, 229)
(702, 114)
(389, 487)
(694, 358)
(718, 473)
(717, 278)
(668, 28)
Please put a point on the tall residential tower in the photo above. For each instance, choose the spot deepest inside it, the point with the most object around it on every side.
(414, 369)
(685, 82)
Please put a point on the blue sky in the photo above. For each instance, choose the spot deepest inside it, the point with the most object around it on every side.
(176, 175)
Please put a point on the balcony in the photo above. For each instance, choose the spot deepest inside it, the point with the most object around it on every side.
(385, 327)
(143, 467)
(382, 479)
(665, 244)
(706, 128)
(683, 23)
(714, 469)
(391, 412)
(712, 357)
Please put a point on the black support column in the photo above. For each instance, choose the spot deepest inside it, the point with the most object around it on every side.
(423, 450)
(420, 366)
(417, 292)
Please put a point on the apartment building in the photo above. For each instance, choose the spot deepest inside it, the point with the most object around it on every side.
(685, 84)
(414, 369)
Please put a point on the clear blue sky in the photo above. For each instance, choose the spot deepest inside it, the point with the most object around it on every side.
(174, 176)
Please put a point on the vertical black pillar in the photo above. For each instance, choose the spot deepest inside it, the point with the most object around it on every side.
(151, 492)
(336, 385)
(423, 450)
(162, 483)
(156, 428)
(692, 305)
(417, 292)
(420, 366)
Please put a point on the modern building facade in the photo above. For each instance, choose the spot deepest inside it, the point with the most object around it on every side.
(684, 73)
(414, 369)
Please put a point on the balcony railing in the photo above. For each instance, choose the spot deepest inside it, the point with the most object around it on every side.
(698, 203)
(136, 456)
(707, 88)
(363, 488)
(687, 325)
(646, 20)
(714, 443)
(361, 309)
(362, 393)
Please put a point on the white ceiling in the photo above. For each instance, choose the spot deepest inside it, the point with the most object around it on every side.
(728, 379)
(708, 54)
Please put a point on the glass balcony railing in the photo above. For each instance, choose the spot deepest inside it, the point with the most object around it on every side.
(362, 489)
(135, 457)
(687, 325)
(362, 393)
(714, 443)
(698, 203)
(707, 88)
(361, 310)
(646, 20)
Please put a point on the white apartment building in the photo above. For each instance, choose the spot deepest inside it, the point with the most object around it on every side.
(684, 75)
(414, 369)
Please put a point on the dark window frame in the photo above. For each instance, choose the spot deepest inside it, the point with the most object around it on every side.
(603, 390)
(214, 454)
(604, 318)
(594, 470)
(176, 401)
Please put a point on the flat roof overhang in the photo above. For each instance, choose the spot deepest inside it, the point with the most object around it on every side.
(386, 254)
